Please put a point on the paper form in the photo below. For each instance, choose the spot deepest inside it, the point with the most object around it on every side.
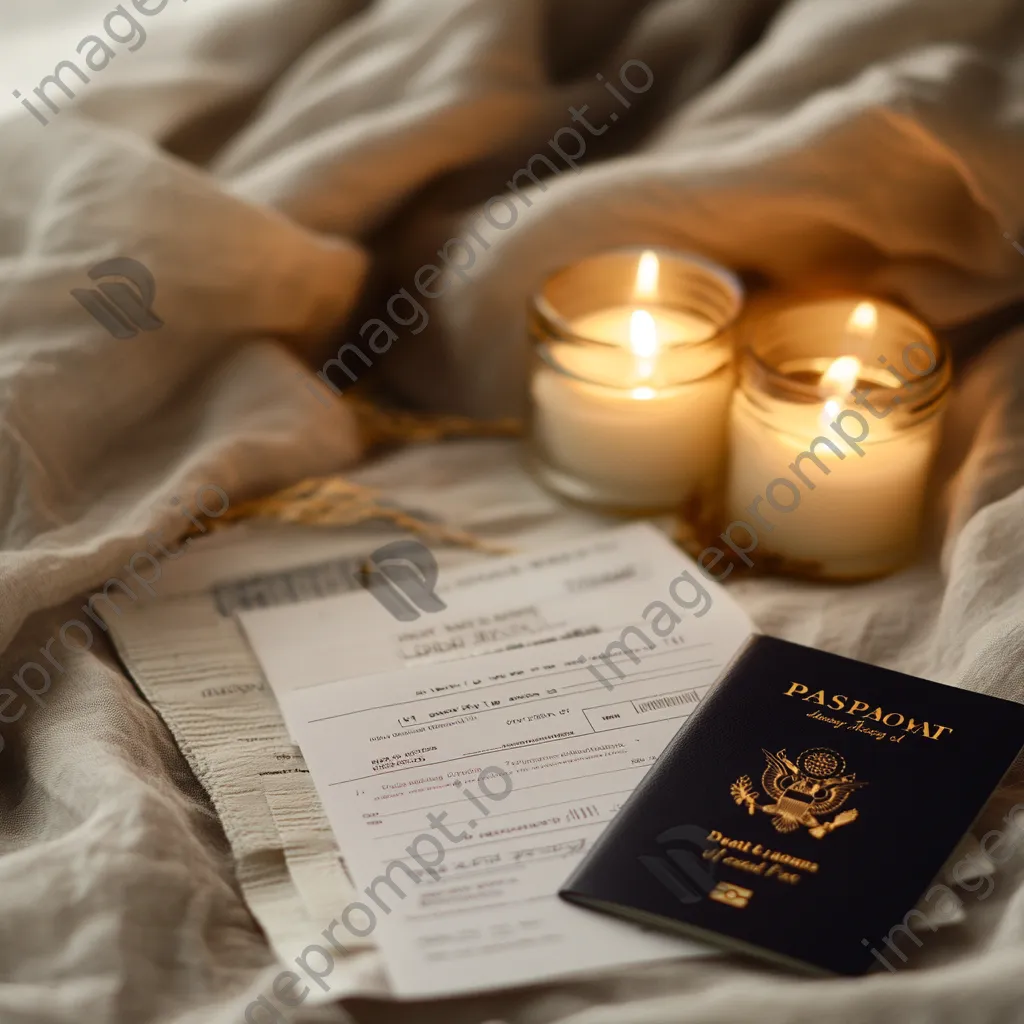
(489, 606)
(189, 656)
(396, 756)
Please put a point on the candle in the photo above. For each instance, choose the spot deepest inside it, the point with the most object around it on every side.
(830, 453)
(630, 399)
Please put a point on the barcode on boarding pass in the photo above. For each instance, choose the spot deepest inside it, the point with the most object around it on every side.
(671, 701)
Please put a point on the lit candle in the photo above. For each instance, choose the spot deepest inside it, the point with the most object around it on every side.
(830, 454)
(630, 400)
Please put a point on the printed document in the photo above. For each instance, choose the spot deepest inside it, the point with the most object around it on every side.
(188, 655)
(489, 606)
(464, 793)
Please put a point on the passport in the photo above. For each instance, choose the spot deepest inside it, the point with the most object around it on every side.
(803, 808)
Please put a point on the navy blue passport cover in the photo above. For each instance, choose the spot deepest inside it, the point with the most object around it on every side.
(803, 808)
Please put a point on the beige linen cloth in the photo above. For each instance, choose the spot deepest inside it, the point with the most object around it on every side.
(278, 163)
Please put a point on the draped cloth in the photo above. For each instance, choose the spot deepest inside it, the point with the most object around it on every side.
(284, 169)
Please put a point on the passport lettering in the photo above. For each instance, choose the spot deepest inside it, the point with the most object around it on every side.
(764, 860)
(863, 710)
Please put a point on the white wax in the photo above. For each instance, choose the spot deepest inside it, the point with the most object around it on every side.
(643, 443)
(860, 520)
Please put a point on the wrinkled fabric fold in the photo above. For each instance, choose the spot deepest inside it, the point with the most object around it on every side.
(282, 168)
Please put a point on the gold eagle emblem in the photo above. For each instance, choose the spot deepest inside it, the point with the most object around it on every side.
(802, 792)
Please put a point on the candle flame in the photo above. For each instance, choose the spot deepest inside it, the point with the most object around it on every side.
(842, 375)
(840, 378)
(643, 334)
(643, 342)
(643, 331)
(647, 276)
(863, 320)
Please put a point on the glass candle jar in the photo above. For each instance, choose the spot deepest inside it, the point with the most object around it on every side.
(833, 430)
(631, 375)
